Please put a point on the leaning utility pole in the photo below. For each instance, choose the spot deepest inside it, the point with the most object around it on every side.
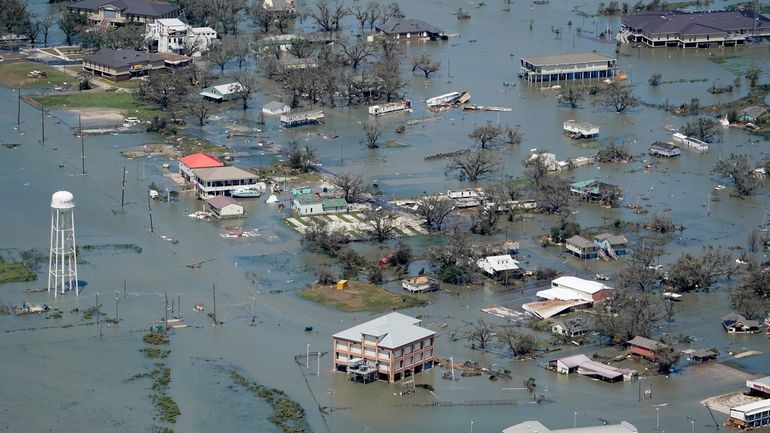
(149, 209)
(123, 189)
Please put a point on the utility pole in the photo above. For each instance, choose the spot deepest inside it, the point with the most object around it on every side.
(18, 110)
(318, 366)
(82, 147)
(124, 289)
(166, 296)
(149, 209)
(214, 291)
(179, 306)
(99, 329)
(117, 299)
(123, 190)
(42, 124)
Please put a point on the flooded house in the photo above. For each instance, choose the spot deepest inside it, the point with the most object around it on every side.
(752, 114)
(612, 245)
(214, 181)
(408, 28)
(222, 92)
(194, 161)
(121, 65)
(312, 117)
(537, 427)
(576, 129)
(667, 150)
(390, 347)
(499, 266)
(390, 107)
(567, 67)
(571, 328)
(581, 247)
(225, 207)
(698, 29)
(750, 416)
(585, 366)
(420, 284)
(120, 13)
(647, 348)
(690, 142)
(274, 108)
(736, 324)
(565, 294)
(314, 204)
(594, 190)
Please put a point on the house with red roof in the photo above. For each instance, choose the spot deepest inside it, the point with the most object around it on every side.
(195, 161)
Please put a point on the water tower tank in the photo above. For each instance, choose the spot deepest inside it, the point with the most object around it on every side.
(62, 200)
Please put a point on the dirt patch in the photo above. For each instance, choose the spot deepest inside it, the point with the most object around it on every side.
(148, 149)
(723, 403)
(93, 116)
(360, 296)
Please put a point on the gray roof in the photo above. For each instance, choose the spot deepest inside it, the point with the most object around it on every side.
(223, 173)
(121, 58)
(392, 330)
(734, 318)
(695, 23)
(754, 111)
(274, 105)
(580, 242)
(647, 343)
(221, 201)
(407, 25)
(612, 239)
(567, 59)
(663, 146)
(537, 427)
(150, 8)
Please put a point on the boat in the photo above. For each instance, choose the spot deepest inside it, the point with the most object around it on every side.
(724, 122)
(246, 192)
(602, 277)
(671, 296)
(26, 308)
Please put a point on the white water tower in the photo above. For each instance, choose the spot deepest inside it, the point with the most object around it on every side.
(62, 261)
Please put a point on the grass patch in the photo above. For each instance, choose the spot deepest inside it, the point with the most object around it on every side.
(345, 218)
(281, 169)
(413, 230)
(155, 353)
(156, 338)
(287, 413)
(124, 102)
(360, 296)
(401, 232)
(358, 216)
(391, 144)
(17, 75)
(14, 272)
(328, 218)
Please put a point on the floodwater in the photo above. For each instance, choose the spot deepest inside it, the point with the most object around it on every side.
(71, 378)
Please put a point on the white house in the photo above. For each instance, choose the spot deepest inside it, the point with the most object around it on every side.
(419, 284)
(275, 108)
(307, 204)
(573, 288)
(224, 206)
(494, 265)
(171, 35)
(222, 92)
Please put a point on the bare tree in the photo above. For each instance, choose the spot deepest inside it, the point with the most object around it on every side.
(435, 210)
(552, 195)
(703, 129)
(240, 48)
(260, 16)
(639, 272)
(626, 314)
(380, 224)
(228, 14)
(163, 89)
(372, 134)
(71, 23)
(374, 13)
(619, 97)
(516, 341)
(248, 84)
(481, 334)
(572, 97)
(352, 186)
(360, 12)
(283, 20)
(754, 239)
(690, 272)
(389, 47)
(512, 135)
(391, 81)
(472, 165)
(220, 54)
(201, 111)
(484, 134)
(303, 159)
(356, 52)
(328, 17)
(752, 74)
(536, 168)
(738, 167)
(751, 297)
(392, 10)
(655, 79)
(425, 63)
(613, 153)
(45, 27)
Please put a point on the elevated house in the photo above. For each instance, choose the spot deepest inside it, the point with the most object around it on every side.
(759, 387)
(667, 150)
(571, 328)
(582, 247)
(279, 6)
(750, 416)
(690, 142)
(751, 114)
(700, 29)
(194, 161)
(498, 266)
(121, 12)
(612, 245)
(121, 65)
(585, 366)
(291, 120)
(314, 204)
(225, 207)
(420, 284)
(647, 348)
(171, 35)
(537, 427)
(389, 348)
(737, 324)
(567, 67)
(700, 355)
(594, 190)
(215, 181)
(222, 92)
(408, 28)
(498, 248)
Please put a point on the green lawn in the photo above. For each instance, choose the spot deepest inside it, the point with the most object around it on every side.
(107, 100)
(17, 75)
(12, 272)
